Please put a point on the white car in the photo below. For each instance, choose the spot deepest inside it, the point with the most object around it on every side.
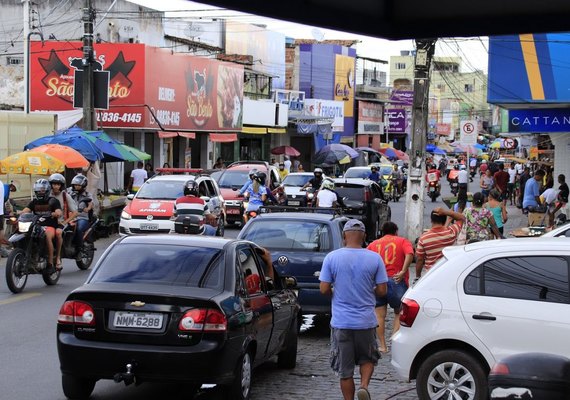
(561, 231)
(480, 303)
(151, 209)
(292, 184)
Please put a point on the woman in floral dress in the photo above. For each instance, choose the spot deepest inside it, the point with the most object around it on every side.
(479, 222)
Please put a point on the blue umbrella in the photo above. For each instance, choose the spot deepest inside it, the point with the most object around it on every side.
(479, 146)
(70, 138)
(432, 148)
(333, 153)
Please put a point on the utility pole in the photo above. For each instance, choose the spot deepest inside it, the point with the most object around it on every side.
(89, 122)
(416, 176)
(26, 4)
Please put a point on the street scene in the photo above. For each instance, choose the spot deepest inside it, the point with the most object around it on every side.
(202, 202)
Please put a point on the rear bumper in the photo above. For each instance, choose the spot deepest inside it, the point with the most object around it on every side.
(206, 362)
(313, 302)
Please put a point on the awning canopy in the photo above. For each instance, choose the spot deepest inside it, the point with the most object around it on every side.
(223, 137)
(255, 130)
(169, 134)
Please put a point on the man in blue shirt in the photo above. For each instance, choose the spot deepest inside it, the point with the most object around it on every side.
(354, 277)
(531, 199)
(374, 175)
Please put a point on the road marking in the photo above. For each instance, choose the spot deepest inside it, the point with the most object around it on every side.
(20, 297)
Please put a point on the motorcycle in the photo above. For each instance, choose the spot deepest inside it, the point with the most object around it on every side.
(433, 190)
(454, 186)
(310, 196)
(389, 187)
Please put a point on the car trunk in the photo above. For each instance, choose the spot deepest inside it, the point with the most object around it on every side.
(148, 315)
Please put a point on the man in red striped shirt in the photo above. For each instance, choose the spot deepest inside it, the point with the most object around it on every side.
(432, 243)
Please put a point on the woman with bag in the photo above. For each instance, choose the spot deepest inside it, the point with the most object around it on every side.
(498, 209)
(479, 221)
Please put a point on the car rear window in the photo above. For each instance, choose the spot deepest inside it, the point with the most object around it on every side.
(290, 235)
(352, 192)
(161, 264)
(230, 179)
(161, 190)
(357, 173)
(296, 180)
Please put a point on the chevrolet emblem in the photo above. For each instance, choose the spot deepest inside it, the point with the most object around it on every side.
(138, 303)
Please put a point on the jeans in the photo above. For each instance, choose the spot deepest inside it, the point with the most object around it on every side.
(81, 227)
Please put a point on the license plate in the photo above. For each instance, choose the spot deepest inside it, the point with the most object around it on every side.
(125, 319)
(149, 227)
(294, 203)
(233, 211)
(432, 189)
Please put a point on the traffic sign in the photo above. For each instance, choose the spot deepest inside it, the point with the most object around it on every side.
(509, 143)
(468, 132)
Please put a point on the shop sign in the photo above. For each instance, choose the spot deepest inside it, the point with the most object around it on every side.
(327, 109)
(183, 92)
(402, 97)
(396, 118)
(443, 129)
(540, 120)
(370, 118)
(344, 83)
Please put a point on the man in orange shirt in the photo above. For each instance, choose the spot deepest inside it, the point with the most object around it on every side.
(397, 253)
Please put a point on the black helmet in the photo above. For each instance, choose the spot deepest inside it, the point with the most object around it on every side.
(374, 168)
(252, 173)
(456, 167)
(191, 188)
(41, 189)
(260, 177)
(57, 178)
(79, 180)
(318, 171)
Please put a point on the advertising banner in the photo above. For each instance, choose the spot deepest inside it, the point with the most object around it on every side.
(327, 109)
(402, 97)
(540, 120)
(396, 120)
(344, 82)
(443, 129)
(183, 92)
(370, 118)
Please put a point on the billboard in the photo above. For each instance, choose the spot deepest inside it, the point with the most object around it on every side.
(529, 68)
(327, 109)
(344, 82)
(370, 118)
(182, 91)
(540, 120)
(397, 120)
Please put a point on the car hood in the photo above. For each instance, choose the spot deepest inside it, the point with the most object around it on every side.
(230, 194)
(294, 191)
(151, 207)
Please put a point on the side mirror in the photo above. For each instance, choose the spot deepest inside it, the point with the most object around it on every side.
(290, 282)
(130, 196)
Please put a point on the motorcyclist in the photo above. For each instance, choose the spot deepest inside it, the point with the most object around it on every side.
(50, 210)
(268, 191)
(328, 197)
(433, 175)
(68, 206)
(191, 203)
(251, 174)
(316, 181)
(374, 175)
(453, 173)
(84, 202)
(397, 178)
(256, 193)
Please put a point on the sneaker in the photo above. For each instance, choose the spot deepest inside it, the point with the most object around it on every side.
(4, 253)
(362, 394)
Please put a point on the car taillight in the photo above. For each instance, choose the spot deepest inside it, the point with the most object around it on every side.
(410, 310)
(367, 196)
(203, 319)
(76, 312)
(500, 369)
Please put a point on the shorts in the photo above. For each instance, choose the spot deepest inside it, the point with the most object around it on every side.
(49, 229)
(394, 295)
(485, 192)
(351, 347)
(1, 222)
(510, 187)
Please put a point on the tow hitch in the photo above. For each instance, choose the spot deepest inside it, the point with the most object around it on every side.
(127, 377)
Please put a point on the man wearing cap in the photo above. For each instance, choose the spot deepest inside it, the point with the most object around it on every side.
(353, 276)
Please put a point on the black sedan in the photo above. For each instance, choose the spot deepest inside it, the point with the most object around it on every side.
(177, 309)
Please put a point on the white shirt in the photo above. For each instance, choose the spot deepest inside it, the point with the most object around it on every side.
(139, 175)
(326, 198)
(473, 162)
(512, 175)
(287, 165)
(462, 176)
(549, 196)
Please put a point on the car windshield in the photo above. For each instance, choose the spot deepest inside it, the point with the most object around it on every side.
(357, 173)
(161, 264)
(296, 180)
(216, 175)
(232, 179)
(161, 190)
(351, 192)
(290, 235)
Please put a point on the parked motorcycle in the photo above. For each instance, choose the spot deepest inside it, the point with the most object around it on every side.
(433, 190)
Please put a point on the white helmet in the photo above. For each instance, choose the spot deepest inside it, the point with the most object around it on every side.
(328, 184)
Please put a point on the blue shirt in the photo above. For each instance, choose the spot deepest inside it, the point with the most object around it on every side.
(374, 176)
(531, 192)
(255, 200)
(354, 274)
(245, 186)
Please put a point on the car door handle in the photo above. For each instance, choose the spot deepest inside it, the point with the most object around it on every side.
(484, 317)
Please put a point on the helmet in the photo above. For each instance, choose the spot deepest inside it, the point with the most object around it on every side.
(190, 188)
(456, 166)
(41, 189)
(79, 180)
(374, 168)
(318, 171)
(328, 184)
(252, 173)
(57, 178)
(261, 177)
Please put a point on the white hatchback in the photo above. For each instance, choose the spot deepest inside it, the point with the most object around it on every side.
(477, 305)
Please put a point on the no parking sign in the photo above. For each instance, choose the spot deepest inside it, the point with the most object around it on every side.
(468, 132)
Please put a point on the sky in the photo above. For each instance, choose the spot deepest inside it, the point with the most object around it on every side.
(472, 50)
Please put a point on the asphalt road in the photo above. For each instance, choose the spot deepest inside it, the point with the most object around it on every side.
(30, 367)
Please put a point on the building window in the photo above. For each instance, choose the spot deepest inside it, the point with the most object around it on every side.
(400, 65)
(468, 88)
(15, 60)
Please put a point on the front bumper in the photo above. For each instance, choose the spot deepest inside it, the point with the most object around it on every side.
(136, 226)
(206, 362)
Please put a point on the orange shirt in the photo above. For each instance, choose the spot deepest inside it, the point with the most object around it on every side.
(393, 250)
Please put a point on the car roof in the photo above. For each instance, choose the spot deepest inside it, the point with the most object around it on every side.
(299, 174)
(355, 181)
(358, 168)
(509, 245)
(302, 216)
(185, 240)
(179, 177)
(556, 231)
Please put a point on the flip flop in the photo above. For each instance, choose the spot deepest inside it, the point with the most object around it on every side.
(58, 266)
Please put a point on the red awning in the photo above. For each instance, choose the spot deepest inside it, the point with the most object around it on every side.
(164, 134)
(187, 135)
(223, 137)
